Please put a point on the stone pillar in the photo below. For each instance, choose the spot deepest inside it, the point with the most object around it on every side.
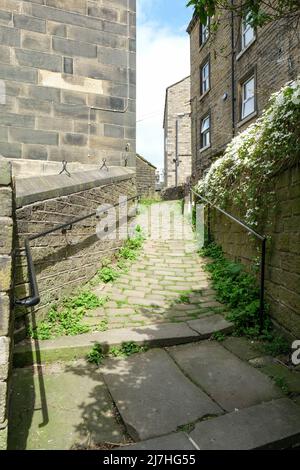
(6, 239)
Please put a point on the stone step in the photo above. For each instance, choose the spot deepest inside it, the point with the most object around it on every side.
(272, 425)
(74, 347)
(232, 383)
(153, 396)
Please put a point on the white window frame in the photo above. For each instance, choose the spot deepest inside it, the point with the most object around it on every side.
(246, 27)
(245, 99)
(204, 31)
(205, 132)
(205, 78)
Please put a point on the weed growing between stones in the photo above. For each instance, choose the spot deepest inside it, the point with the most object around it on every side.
(129, 252)
(239, 291)
(97, 354)
(65, 319)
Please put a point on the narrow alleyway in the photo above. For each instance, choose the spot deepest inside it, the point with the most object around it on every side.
(199, 395)
(167, 283)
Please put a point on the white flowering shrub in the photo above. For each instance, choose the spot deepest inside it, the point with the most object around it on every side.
(242, 177)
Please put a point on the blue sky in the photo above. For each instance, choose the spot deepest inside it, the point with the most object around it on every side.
(162, 59)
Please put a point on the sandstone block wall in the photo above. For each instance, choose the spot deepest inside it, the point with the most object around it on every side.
(60, 59)
(283, 251)
(178, 102)
(63, 261)
(6, 323)
(145, 177)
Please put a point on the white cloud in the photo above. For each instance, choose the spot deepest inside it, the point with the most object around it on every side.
(163, 58)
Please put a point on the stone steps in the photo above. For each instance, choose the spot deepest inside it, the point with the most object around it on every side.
(67, 348)
(272, 425)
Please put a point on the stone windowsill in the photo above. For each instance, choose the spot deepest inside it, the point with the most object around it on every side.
(247, 119)
(204, 148)
(242, 52)
(204, 94)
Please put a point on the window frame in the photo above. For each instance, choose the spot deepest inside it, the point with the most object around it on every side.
(203, 39)
(207, 132)
(244, 28)
(243, 101)
(205, 63)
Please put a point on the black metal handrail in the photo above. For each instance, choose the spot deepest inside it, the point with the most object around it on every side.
(263, 240)
(34, 298)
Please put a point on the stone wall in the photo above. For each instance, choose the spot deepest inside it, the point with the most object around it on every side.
(64, 261)
(145, 177)
(283, 252)
(59, 60)
(6, 324)
(178, 102)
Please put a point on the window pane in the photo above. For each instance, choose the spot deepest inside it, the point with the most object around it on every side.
(205, 77)
(247, 32)
(248, 107)
(249, 89)
(205, 124)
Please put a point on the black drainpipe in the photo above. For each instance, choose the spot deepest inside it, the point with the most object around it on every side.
(232, 70)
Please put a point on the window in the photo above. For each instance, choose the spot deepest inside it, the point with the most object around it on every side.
(247, 32)
(248, 97)
(205, 77)
(205, 132)
(204, 32)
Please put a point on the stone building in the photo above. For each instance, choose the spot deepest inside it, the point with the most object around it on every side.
(177, 133)
(67, 78)
(145, 177)
(234, 70)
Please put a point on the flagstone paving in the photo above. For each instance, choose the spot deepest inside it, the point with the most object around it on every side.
(167, 283)
(200, 395)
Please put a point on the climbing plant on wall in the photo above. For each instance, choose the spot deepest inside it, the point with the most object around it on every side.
(242, 177)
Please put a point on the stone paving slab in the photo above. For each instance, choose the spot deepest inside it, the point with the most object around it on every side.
(76, 409)
(211, 324)
(275, 424)
(232, 383)
(175, 441)
(74, 347)
(153, 396)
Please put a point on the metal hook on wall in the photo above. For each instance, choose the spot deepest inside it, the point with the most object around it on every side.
(64, 168)
(104, 165)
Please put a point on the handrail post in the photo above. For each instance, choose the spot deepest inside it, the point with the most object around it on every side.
(262, 283)
(208, 224)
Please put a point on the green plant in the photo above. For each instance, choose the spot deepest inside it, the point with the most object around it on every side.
(126, 349)
(238, 290)
(96, 356)
(65, 319)
(241, 179)
(107, 274)
(149, 201)
(260, 12)
(183, 299)
(103, 325)
(218, 336)
(276, 345)
(281, 383)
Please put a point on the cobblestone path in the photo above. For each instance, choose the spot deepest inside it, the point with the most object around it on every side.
(167, 283)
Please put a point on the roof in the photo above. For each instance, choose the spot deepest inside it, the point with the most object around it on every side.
(145, 161)
(192, 23)
(166, 99)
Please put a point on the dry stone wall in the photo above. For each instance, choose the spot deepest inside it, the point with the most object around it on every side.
(6, 323)
(283, 252)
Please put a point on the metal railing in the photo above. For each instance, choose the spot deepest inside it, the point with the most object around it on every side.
(262, 238)
(34, 298)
